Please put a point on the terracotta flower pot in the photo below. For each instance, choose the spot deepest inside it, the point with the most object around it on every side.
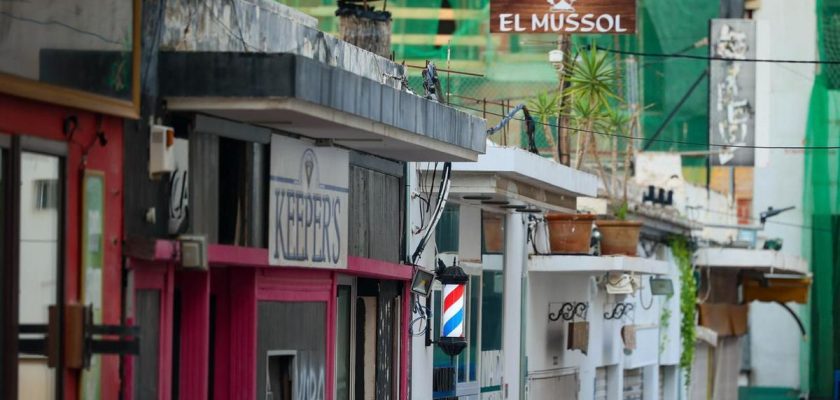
(569, 233)
(619, 237)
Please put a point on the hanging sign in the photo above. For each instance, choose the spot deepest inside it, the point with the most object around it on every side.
(732, 91)
(563, 16)
(307, 204)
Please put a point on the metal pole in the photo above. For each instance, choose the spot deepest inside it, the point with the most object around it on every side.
(515, 243)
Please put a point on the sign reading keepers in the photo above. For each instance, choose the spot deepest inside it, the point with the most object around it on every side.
(307, 204)
(563, 16)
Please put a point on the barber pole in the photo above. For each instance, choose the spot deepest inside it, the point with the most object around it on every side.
(453, 311)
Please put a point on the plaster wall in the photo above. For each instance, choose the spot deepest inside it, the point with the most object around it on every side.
(775, 337)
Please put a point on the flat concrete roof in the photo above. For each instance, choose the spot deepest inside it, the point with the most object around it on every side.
(521, 177)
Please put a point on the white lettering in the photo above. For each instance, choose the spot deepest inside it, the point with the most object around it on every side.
(504, 22)
(557, 22)
(609, 20)
(588, 23)
(516, 26)
(572, 23)
(537, 23)
(618, 27)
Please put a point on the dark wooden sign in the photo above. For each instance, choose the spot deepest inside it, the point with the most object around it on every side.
(563, 16)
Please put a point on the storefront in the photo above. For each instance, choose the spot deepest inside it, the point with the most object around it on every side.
(64, 98)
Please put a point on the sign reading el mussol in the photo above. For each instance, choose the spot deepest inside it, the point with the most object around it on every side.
(307, 204)
(563, 16)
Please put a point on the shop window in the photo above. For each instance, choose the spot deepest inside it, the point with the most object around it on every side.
(446, 233)
(46, 194)
(32, 224)
(39, 261)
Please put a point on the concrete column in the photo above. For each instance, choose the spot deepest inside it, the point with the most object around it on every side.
(515, 252)
(650, 382)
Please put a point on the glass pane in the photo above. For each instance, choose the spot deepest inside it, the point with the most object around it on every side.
(79, 44)
(39, 246)
(491, 321)
(446, 233)
(342, 348)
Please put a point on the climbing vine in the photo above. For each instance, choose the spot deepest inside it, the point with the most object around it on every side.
(688, 302)
(664, 324)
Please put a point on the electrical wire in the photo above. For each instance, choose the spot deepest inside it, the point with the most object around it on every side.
(716, 58)
(682, 142)
(769, 221)
(60, 24)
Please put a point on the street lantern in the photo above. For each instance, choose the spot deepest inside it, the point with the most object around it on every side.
(454, 281)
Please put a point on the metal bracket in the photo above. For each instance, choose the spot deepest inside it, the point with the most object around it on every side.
(568, 311)
(619, 311)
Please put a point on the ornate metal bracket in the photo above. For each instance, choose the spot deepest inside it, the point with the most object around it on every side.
(619, 311)
(568, 311)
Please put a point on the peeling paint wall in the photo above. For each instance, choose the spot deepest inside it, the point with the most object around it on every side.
(265, 26)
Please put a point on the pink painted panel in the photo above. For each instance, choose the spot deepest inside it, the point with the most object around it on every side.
(161, 277)
(194, 333)
(242, 364)
(220, 288)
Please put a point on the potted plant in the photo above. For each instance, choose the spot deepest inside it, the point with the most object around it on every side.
(619, 236)
(569, 233)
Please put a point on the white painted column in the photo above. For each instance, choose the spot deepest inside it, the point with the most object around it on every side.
(515, 246)
(650, 382)
(615, 382)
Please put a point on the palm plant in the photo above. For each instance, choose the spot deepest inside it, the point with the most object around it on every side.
(543, 107)
(618, 123)
(591, 80)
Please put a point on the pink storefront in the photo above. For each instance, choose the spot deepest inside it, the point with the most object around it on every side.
(245, 328)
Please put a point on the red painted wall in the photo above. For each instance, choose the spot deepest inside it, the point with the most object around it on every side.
(26, 117)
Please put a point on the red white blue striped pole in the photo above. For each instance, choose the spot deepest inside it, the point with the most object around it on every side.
(453, 310)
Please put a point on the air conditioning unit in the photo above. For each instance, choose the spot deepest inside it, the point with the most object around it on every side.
(161, 150)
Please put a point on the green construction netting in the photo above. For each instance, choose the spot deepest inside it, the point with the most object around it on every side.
(821, 247)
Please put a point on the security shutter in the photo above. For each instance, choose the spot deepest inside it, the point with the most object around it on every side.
(633, 389)
(601, 383)
(550, 385)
